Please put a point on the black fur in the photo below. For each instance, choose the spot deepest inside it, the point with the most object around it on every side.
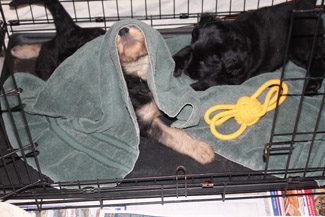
(230, 52)
(139, 91)
(141, 95)
(69, 37)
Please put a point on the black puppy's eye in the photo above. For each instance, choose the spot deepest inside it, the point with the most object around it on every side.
(215, 59)
(190, 58)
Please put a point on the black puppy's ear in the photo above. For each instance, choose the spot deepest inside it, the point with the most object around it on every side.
(208, 18)
(181, 59)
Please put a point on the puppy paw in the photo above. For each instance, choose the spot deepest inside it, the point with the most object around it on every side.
(178, 72)
(203, 153)
(312, 87)
(27, 51)
(199, 86)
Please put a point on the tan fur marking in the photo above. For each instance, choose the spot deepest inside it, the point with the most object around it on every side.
(132, 46)
(148, 112)
(137, 68)
(26, 51)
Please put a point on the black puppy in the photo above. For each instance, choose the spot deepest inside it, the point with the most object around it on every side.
(69, 37)
(230, 52)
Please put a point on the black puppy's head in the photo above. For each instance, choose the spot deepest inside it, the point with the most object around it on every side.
(218, 52)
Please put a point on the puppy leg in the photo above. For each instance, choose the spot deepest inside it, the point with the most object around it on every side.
(48, 60)
(202, 85)
(173, 138)
(317, 70)
(26, 51)
(183, 143)
(181, 58)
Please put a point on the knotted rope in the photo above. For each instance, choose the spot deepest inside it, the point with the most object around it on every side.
(247, 111)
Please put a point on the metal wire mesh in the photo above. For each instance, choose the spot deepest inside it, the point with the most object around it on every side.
(17, 183)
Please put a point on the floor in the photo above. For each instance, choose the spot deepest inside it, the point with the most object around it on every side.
(308, 203)
(247, 207)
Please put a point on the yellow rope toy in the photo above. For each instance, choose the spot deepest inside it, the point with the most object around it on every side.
(247, 111)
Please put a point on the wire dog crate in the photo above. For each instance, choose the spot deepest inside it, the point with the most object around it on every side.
(28, 186)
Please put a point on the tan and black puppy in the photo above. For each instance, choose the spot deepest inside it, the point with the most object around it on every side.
(133, 54)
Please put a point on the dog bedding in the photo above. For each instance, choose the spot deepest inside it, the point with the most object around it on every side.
(85, 127)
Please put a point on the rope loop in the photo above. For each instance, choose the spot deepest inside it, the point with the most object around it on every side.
(248, 110)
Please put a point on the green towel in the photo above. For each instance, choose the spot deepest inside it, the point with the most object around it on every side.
(248, 148)
(82, 118)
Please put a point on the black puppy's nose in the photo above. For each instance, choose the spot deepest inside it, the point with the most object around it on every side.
(123, 31)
